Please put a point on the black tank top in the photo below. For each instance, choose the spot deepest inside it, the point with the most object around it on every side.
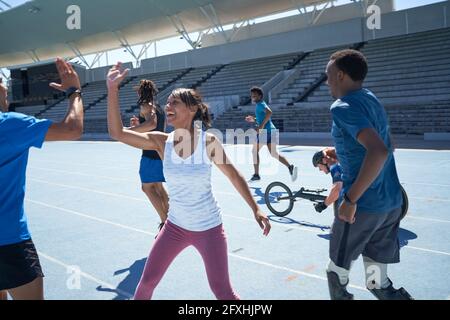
(160, 124)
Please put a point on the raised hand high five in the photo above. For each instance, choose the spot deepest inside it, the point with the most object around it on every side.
(115, 76)
(67, 74)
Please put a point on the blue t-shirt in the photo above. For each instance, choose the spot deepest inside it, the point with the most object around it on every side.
(336, 173)
(358, 110)
(260, 113)
(18, 133)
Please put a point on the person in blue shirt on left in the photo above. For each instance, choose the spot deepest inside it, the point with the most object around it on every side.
(265, 128)
(20, 271)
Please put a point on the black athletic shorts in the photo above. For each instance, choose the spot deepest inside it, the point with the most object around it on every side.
(19, 265)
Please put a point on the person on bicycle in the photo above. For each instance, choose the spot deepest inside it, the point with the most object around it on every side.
(328, 165)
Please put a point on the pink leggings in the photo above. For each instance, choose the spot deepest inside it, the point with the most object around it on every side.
(212, 246)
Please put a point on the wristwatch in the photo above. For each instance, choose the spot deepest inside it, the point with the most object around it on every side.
(72, 90)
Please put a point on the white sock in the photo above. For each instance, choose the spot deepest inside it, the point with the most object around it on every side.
(376, 274)
(341, 272)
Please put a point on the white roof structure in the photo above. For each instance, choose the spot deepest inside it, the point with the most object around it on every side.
(37, 30)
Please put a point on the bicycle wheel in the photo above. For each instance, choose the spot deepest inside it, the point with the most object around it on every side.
(279, 199)
(405, 203)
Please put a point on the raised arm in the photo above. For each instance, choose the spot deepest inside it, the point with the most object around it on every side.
(147, 141)
(218, 156)
(71, 127)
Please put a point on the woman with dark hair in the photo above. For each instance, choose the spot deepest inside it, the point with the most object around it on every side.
(194, 218)
(151, 118)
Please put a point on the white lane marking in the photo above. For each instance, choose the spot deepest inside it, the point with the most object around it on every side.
(82, 174)
(427, 219)
(88, 190)
(115, 195)
(270, 265)
(90, 217)
(86, 275)
(267, 264)
(426, 250)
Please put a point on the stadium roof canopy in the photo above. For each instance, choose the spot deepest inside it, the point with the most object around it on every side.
(37, 30)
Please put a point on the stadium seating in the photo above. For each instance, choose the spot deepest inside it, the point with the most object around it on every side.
(410, 75)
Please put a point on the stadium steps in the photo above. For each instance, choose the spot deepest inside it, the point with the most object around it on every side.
(105, 95)
(208, 76)
(238, 77)
(310, 77)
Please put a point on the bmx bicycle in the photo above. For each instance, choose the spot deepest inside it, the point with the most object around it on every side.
(280, 199)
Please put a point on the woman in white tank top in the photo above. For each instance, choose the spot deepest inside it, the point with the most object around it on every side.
(194, 217)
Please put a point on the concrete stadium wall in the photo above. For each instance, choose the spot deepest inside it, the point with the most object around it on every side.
(297, 22)
(420, 19)
(98, 74)
(425, 18)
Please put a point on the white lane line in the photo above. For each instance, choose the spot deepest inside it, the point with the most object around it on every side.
(308, 229)
(306, 274)
(81, 164)
(90, 217)
(237, 256)
(427, 219)
(82, 174)
(426, 250)
(86, 275)
(88, 190)
(116, 195)
(131, 180)
(430, 199)
(270, 265)
(418, 198)
(427, 184)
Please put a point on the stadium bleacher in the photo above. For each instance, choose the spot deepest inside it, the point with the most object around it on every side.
(412, 86)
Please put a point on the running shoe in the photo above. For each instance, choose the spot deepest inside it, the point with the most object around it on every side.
(293, 172)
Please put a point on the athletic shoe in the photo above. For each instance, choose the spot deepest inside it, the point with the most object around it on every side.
(338, 291)
(293, 172)
(255, 177)
(390, 293)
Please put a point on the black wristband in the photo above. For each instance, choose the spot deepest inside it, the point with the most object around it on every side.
(347, 199)
(71, 91)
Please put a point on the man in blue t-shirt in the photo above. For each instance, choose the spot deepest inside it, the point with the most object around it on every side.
(328, 166)
(20, 271)
(368, 218)
(265, 128)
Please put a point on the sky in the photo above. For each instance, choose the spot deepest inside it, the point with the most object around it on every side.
(174, 45)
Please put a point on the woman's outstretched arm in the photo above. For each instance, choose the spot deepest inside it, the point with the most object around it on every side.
(220, 159)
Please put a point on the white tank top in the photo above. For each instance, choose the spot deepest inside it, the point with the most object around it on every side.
(192, 205)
